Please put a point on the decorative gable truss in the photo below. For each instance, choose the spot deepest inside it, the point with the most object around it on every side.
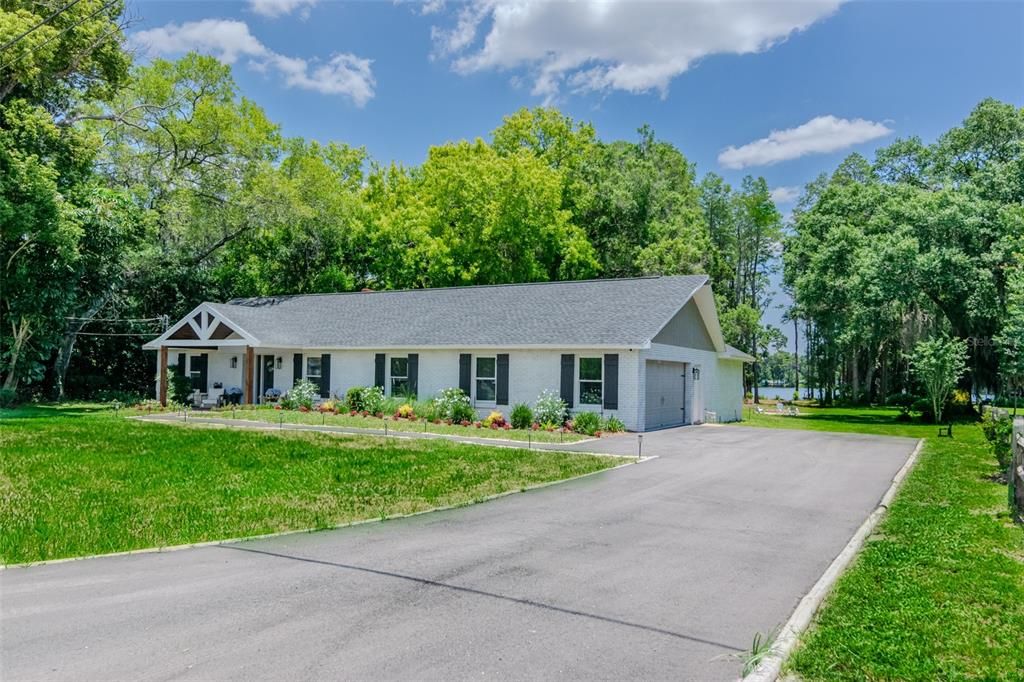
(203, 327)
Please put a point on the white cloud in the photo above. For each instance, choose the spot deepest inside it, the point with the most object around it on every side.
(225, 39)
(229, 40)
(785, 195)
(277, 8)
(631, 45)
(432, 7)
(820, 135)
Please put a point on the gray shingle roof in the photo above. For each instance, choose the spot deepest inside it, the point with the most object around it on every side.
(622, 312)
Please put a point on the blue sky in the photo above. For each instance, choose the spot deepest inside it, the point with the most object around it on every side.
(399, 77)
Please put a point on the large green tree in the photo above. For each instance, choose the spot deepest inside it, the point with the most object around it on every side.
(53, 68)
(916, 244)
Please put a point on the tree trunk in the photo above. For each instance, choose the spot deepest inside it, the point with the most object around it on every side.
(796, 358)
(22, 333)
(757, 396)
(67, 344)
(855, 378)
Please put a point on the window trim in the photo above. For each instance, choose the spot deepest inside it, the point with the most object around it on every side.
(477, 378)
(580, 381)
(195, 375)
(391, 377)
(315, 378)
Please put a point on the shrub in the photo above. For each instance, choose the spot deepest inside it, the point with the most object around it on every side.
(328, 406)
(586, 422)
(959, 405)
(613, 425)
(127, 398)
(179, 388)
(550, 408)
(373, 400)
(8, 398)
(405, 411)
(426, 409)
(901, 400)
(998, 432)
(303, 394)
(495, 420)
(354, 398)
(390, 404)
(522, 416)
(923, 406)
(452, 403)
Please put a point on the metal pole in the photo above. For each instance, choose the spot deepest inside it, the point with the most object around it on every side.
(529, 440)
(385, 429)
(639, 446)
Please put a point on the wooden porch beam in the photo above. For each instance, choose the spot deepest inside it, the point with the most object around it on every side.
(247, 369)
(162, 376)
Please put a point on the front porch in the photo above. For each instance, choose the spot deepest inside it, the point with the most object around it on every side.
(221, 360)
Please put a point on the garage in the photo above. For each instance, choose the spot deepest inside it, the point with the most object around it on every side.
(665, 394)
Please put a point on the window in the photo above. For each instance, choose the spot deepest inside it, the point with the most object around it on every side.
(195, 372)
(486, 379)
(313, 369)
(590, 381)
(399, 376)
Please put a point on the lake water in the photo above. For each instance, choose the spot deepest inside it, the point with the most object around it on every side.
(777, 392)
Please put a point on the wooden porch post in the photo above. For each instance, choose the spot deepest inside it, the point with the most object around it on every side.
(248, 370)
(162, 376)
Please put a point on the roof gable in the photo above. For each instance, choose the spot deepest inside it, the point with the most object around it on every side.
(686, 329)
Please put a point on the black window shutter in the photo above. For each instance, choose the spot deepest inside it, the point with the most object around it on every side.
(296, 368)
(378, 370)
(180, 367)
(568, 374)
(204, 366)
(501, 397)
(611, 381)
(259, 376)
(325, 375)
(466, 373)
(414, 374)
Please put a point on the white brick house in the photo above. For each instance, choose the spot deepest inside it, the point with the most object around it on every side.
(648, 350)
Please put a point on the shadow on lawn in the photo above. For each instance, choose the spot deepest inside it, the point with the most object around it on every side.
(56, 411)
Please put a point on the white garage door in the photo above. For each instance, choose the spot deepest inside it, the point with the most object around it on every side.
(666, 394)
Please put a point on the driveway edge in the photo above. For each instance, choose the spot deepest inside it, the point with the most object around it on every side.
(768, 670)
(349, 524)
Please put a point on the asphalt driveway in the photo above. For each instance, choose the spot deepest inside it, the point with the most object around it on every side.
(659, 570)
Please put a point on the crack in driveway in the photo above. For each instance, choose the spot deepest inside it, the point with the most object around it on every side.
(484, 593)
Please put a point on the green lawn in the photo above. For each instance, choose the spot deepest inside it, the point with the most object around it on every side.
(938, 591)
(75, 480)
(268, 414)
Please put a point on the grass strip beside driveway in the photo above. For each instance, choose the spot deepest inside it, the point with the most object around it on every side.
(76, 481)
(937, 593)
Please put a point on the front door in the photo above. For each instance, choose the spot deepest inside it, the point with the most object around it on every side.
(268, 373)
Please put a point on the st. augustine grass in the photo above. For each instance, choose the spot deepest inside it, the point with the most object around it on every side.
(272, 416)
(75, 480)
(937, 592)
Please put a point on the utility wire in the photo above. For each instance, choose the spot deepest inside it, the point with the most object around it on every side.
(119, 334)
(117, 319)
(45, 21)
(59, 34)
